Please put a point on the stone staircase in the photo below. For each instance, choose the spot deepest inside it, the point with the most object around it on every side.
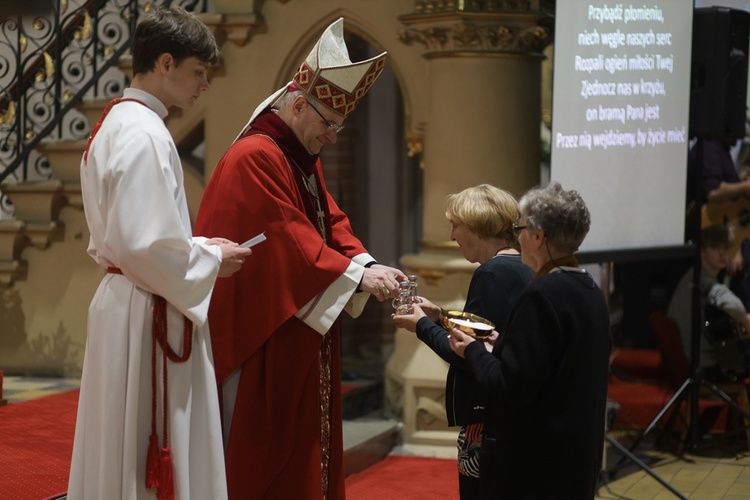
(37, 208)
(37, 204)
(369, 436)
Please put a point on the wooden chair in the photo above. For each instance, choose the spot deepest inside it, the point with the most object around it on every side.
(677, 369)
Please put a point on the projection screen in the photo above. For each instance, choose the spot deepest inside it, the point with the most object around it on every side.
(620, 111)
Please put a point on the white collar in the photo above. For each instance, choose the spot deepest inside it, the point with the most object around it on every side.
(149, 100)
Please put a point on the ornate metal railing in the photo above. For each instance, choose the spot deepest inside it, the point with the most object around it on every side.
(50, 61)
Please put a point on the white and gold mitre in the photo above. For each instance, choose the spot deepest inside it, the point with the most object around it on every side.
(329, 76)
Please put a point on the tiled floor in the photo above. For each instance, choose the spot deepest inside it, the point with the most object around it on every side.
(717, 469)
(721, 471)
(16, 389)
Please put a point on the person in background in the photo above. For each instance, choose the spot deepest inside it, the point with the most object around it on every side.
(482, 219)
(148, 421)
(725, 325)
(277, 355)
(724, 197)
(546, 375)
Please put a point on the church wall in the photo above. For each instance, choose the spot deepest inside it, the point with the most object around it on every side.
(43, 317)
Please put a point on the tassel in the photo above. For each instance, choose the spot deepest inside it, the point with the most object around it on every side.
(166, 488)
(152, 463)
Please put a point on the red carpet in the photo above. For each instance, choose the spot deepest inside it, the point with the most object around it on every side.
(405, 478)
(36, 442)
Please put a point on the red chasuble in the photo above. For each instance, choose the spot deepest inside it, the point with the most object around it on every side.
(274, 448)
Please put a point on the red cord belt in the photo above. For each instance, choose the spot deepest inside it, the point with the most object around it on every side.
(159, 466)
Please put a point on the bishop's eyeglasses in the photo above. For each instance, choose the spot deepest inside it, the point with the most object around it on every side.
(335, 127)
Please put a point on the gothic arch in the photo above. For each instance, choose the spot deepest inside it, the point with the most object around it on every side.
(356, 24)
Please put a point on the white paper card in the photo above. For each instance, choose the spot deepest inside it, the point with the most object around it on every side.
(254, 241)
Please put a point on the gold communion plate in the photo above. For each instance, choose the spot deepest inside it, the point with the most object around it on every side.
(469, 323)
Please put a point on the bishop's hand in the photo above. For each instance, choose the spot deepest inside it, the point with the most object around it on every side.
(381, 281)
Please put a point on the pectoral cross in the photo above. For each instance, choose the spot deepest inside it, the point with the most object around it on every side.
(321, 221)
(312, 188)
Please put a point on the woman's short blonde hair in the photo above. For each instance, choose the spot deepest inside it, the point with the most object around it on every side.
(485, 210)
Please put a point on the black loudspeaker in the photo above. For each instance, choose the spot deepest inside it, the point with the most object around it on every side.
(719, 73)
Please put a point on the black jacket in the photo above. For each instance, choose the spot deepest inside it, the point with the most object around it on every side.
(494, 287)
(546, 383)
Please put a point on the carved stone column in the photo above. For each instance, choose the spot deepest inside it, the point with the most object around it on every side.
(484, 62)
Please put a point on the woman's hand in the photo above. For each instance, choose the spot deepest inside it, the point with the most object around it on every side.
(431, 310)
(489, 342)
(409, 321)
(460, 341)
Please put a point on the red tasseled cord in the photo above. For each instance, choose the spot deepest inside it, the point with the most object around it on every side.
(152, 462)
(159, 471)
(166, 487)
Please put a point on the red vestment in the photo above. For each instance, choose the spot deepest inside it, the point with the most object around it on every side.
(274, 447)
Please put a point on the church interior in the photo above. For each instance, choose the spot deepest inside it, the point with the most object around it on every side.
(465, 98)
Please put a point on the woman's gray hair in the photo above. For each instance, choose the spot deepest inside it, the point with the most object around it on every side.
(561, 214)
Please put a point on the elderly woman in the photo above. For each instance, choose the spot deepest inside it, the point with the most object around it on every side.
(546, 377)
(482, 219)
